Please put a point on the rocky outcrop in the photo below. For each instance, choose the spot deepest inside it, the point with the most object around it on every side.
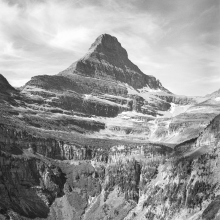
(8, 94)
(28, 186)
(83, 183)
(179, 100)
(15, 140)
(61, 101)
(123, 179)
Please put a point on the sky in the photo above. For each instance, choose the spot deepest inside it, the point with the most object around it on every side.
(177, 41)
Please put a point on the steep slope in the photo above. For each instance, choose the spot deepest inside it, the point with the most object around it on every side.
(214, 95)
(8, 94)
(5, 87)
(108, 60)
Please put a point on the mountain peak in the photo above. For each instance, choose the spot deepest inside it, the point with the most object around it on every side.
(105, 39)
(108, 60)
(109, 44)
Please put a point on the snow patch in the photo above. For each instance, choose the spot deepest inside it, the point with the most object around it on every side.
(148, 89)
(174, 110)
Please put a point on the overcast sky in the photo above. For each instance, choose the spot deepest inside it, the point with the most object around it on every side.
(177, 41)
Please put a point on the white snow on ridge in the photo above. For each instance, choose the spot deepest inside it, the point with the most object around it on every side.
(174, 110)
(131, 90)
(178, 109)
(217, 99)
(148, 89)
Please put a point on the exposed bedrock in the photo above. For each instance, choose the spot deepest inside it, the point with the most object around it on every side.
(97, 103)
(14, 140)
(108, 59)
(28, 186)
(179, 100)
(76, 83)
(5, 87)
(187, 185)
(123, 180)
(83, 183)
(180, 189)
(126, 176)
(61, 102)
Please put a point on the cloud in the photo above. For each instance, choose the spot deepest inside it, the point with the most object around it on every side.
(174, 40)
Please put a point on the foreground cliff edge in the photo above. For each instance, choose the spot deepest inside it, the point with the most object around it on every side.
(102, 140)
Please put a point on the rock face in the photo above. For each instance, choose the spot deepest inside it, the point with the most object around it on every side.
(102, 140)
(188, 184)
(108, 60)
(28, 186)
(4, 85)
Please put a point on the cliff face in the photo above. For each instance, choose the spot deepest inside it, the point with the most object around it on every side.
(133, 181)
(28, 186)
(108, 185)
(124, 182)
(181, 185)
(68, 189)
(5, 87)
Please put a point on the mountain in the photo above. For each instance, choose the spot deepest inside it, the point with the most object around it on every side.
(103, 140)
(105, 83)
(107, 60)
(7, 92)
(102, 78)
(4, 85)
(214, 97)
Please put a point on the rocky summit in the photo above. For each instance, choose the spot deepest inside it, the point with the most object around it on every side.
(108, 60)
(102, 140)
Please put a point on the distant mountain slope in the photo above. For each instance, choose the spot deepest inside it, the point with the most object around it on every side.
(4, 85)
(214, 94)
